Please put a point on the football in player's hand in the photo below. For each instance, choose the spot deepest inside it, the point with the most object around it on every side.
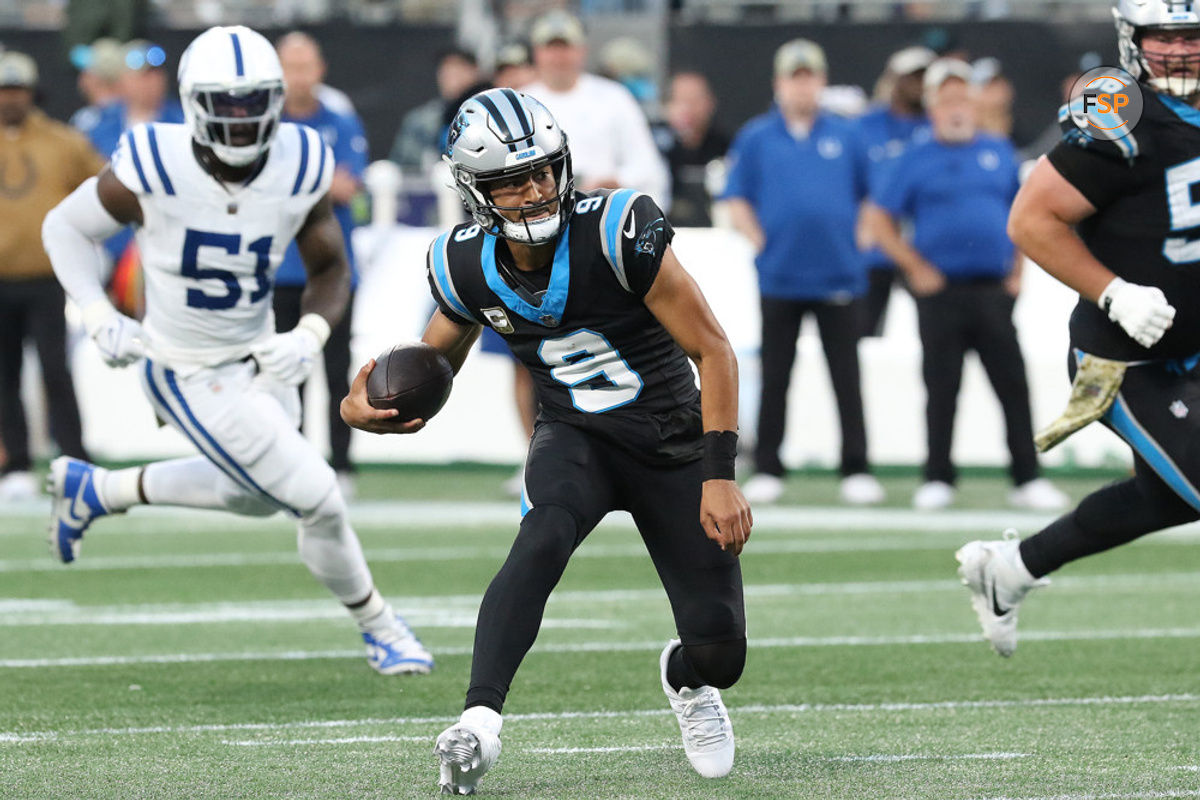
(414, 379)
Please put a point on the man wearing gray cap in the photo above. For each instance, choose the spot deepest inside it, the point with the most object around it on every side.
(610, 137)
(44, 161)
(796, 179)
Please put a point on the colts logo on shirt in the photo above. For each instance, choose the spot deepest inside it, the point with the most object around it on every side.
(829, 148)
(498, 319)
(989, 160)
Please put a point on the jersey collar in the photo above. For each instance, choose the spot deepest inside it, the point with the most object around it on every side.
(1181, 109)
(550, 312)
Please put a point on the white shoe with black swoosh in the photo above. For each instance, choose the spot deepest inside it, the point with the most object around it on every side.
(998, 582)
(71, 484)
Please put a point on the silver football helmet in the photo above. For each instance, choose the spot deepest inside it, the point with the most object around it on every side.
(502, 134)
(231, 85)
(1177, 75)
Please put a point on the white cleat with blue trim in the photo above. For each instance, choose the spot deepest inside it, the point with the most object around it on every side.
(397, 651)
(72, 488)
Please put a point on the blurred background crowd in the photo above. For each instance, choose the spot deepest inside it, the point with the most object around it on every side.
(860, 148)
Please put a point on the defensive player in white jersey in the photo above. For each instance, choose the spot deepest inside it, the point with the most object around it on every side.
(216, 201)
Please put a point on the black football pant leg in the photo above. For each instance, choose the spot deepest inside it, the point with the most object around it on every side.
(568, 493)
(1158, 413)
(702, 581)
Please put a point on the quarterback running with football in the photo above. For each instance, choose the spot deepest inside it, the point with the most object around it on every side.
(1118, 221)
(588, 294)
(216, 202)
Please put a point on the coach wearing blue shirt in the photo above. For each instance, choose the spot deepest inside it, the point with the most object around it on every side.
(887, 131)
(965, 273)
(303, 71)
(796, 179)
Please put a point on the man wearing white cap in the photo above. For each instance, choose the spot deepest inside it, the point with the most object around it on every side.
(610, 137)
(44, 161)
(797, 177)
(888, 130)
(965, 273)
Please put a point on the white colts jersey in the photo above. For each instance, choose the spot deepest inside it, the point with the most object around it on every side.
(210, 250)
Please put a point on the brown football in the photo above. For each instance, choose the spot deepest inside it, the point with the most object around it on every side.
(414, 379)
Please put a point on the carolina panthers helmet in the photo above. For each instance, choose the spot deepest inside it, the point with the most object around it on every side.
(501, 134)
(231, 85)
(1133, 18)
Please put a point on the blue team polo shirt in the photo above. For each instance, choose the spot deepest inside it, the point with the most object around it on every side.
(344, 135)
(886, 135)
(958, 197)
(806, 194)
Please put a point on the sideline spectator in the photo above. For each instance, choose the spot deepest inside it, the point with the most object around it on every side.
(303, 71)
(965, 281)
(418, 143)
(887, 131)
(100, 68)
(45, 160)
(610, 138)
(514, 68)
(689, 142)
(797, 178)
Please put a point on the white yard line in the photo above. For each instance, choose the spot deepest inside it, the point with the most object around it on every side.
(887, 759)
(453, 610)
(603, 647)
(633, 748)
(347, 740)
(801, 708)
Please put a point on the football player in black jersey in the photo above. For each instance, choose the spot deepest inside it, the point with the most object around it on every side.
(1119, 222)
(587, 292)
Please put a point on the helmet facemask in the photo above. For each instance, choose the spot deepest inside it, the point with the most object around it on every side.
(236, 124)
(1177, 74)
(525, 224)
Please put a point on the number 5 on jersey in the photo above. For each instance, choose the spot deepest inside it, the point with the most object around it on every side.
(578, 359)
(230, 243)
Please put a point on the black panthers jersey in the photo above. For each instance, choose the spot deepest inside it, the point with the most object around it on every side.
(1146, 189)
(599, 359)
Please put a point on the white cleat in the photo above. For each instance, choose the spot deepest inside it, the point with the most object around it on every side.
(861, 489)
(1038, 494)
(397, 651)
(763, 489)
(998, 582)
(467, 750)
(933, 496)
(703, 721)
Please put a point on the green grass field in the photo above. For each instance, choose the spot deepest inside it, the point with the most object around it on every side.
(192, 656)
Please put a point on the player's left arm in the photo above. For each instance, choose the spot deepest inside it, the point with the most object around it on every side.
(678, 304)
(289, 357)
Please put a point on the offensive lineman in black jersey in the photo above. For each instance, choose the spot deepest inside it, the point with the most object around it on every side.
(588, 294)
(1118, 221)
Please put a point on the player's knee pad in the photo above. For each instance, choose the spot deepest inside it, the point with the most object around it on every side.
(328, 519)
(720, 664)
(241, 500)
(547, 537)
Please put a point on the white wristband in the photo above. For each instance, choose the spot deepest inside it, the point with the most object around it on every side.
(317, 325)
